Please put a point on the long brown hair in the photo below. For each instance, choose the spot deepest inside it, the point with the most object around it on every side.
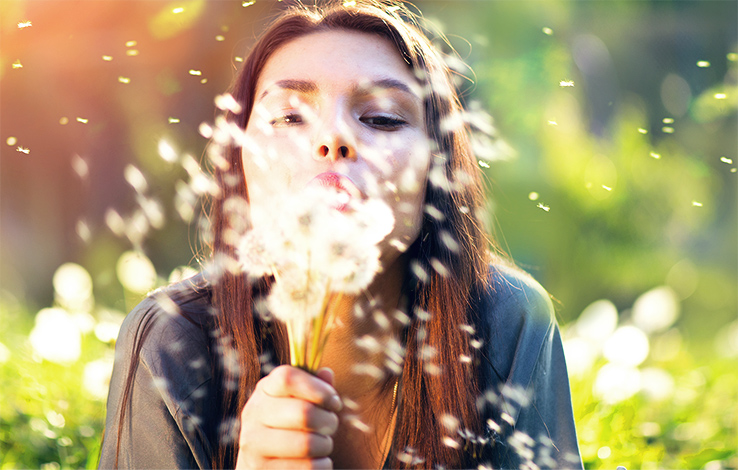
(448, 258)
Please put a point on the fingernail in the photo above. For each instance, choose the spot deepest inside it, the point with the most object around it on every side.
(335, 403)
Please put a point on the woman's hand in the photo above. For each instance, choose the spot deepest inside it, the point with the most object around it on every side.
(288, 421)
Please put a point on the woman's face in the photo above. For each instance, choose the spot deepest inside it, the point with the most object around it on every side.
(339, 109)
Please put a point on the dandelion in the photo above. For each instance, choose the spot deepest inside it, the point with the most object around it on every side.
(566, 83)
(17, 64)
(320, 247)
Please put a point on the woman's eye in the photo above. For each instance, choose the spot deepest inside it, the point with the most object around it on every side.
(384, 122)
(286, 120)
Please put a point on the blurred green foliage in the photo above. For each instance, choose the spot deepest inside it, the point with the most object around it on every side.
(623, 182)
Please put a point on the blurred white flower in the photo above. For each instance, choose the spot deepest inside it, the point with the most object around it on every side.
(597, 321)
(56, 336)
(73, 287)
(615, 383)
(656, 383)
(580, 356)
(96, 377)
(656, 310)
(628, 346)
(108, 325)
(4, 353)
(136, 272)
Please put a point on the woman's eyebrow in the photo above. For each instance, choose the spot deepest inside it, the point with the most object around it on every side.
(386, 83)
(302, 86)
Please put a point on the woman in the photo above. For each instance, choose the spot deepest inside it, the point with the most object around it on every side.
(356, 98)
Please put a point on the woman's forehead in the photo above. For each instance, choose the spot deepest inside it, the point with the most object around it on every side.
(336, 59)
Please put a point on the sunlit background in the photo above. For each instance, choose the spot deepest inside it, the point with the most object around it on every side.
(613, 183)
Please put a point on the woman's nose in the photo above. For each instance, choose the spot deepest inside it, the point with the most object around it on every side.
(335, 144)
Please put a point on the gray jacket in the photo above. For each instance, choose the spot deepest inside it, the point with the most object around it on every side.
(173, 414)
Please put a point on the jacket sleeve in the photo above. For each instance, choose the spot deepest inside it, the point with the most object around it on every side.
(167, 411)
(532, 420)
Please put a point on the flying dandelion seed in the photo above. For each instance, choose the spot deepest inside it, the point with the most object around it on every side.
(668, 120)
(131, 43)
(566, 83)
(349, 3)
(655, 155)
(132, 52)
(733, 170)
(696, 204)
(172, 120)
(63, 120)
(83, 120)
(107, 58)
(720, 96)
(726, 160)
(606, 188)
(22, 149)
(483, 164)
(83, 231)
(11, 141)
(17, 64)
(220, 38)
(135, 178)
(204, 80)
(642, 130)
(545, 208)
(547, 31)
(178, 10)
(124, 80)
(533, 196)
(79, 165)
(238, 59)
(24, 24)
(553, 123)
(195, 72)
(703, 63)
(247, 4)
(732, 56)
(667, 130)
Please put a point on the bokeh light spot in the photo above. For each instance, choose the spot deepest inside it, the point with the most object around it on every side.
(56, 336)
(136, 272)
(11, 141)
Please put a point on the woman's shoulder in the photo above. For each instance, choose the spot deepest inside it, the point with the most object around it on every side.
(170, 330)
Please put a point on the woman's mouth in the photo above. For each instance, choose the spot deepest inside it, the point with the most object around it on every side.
(345, 188)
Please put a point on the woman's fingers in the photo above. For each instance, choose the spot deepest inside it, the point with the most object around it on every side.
(289, 444)
(297, 414)
(286, 381)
